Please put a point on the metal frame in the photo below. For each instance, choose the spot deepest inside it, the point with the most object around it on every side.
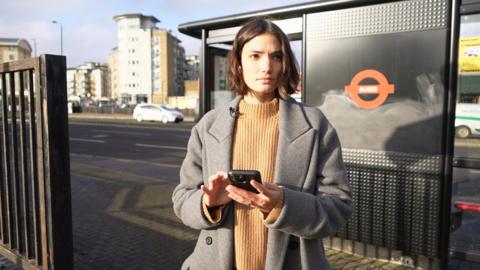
(449, 130)
(35, 199)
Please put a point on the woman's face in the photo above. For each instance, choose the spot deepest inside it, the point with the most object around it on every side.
(262, 65)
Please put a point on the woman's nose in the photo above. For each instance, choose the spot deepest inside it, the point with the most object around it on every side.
(266, 64)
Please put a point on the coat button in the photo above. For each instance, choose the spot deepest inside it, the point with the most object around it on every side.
(208, 240)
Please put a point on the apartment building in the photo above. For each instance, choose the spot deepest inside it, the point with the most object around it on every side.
(113, 90)
(168, 66)
(149, 61)
(191, 67)
(88, 80)
(13, 49)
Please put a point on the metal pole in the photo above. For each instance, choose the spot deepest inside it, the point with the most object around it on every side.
(61, 39)
(34, 46)
(61, 35)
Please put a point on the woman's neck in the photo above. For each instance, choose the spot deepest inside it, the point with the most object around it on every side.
(256, 98)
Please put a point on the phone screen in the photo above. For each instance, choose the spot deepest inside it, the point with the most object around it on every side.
(242, 178)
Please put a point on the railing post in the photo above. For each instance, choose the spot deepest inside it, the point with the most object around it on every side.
(57, 162)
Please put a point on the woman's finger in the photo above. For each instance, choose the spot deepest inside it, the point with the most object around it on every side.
(239, 191)
(259, 187)
(205, 189)
(239, 199)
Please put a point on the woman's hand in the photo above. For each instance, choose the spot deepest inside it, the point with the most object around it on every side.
(215, 194)
(268, 197)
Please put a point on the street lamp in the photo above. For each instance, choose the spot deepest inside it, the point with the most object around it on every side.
(61, 36)
(34, 46)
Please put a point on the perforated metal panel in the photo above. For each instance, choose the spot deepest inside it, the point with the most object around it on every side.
(396, 200)
(378, 19)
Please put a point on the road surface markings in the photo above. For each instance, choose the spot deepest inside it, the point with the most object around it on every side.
(160, 146)
(156, 208)
(126, 160)
(122, 132)
(86, 140)
(100, 136)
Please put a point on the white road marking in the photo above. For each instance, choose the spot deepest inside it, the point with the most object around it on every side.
(160, 146)
(126, 160)
(86, 140)
(100, 136)
(122, 132)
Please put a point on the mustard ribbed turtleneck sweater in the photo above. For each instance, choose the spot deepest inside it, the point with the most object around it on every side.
(254, 148)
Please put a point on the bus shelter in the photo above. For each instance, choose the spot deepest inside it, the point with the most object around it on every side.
(385, 75)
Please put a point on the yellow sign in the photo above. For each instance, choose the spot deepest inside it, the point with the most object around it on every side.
(469, 55)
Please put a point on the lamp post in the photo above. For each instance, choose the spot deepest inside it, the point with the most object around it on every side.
(34, 46)
(61, 36)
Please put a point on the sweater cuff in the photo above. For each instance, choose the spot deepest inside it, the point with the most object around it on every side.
(213, 214)
(275, 212)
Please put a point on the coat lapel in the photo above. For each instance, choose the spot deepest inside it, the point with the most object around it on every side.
(219, 141)
(219, 156)
(295, 145)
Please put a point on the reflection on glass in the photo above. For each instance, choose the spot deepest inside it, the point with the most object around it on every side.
(221, 93)
(467, 116)
(464, 237)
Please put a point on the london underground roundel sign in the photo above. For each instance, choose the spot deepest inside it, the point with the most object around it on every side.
(382, 89)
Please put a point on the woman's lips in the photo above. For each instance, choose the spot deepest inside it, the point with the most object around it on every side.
(266, 80)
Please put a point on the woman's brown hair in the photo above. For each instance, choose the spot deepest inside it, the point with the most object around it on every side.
(251, 29)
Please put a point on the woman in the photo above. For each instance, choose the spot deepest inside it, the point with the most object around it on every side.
(304, 194)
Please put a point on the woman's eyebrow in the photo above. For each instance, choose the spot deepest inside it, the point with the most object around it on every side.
(257, 51)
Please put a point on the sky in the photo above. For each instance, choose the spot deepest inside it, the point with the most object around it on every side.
(89, 31)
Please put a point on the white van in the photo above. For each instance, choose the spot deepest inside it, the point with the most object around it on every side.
(467, 120)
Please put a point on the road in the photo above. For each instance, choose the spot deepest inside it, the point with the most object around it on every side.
(122, 180)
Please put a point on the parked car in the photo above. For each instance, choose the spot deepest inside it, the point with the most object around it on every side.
(156, 112)
(467, 120)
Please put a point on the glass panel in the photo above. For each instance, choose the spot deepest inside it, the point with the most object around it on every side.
(297, 52)
(221, 93)
(465, 237)
(467, 116)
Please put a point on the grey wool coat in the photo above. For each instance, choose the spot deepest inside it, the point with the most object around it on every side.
(309, 167)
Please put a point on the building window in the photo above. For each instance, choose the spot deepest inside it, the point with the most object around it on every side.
(142, 98)
(11, 57)
(126, 98)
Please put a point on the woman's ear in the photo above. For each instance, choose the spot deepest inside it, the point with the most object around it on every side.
(239, 67)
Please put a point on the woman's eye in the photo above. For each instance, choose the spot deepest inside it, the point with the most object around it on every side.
(277, 57)
(254, 56)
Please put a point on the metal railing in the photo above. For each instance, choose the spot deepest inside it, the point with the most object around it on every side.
(35, 197)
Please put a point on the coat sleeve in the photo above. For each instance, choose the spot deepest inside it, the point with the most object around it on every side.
(187, 196)
(322, 213)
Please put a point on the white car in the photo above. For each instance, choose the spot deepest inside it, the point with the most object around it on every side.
(467, 120)
(156, 112)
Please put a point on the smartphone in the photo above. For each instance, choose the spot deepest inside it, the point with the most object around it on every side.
(242, 178)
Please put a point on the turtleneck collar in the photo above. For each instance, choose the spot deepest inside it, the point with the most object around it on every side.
(258, 110)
